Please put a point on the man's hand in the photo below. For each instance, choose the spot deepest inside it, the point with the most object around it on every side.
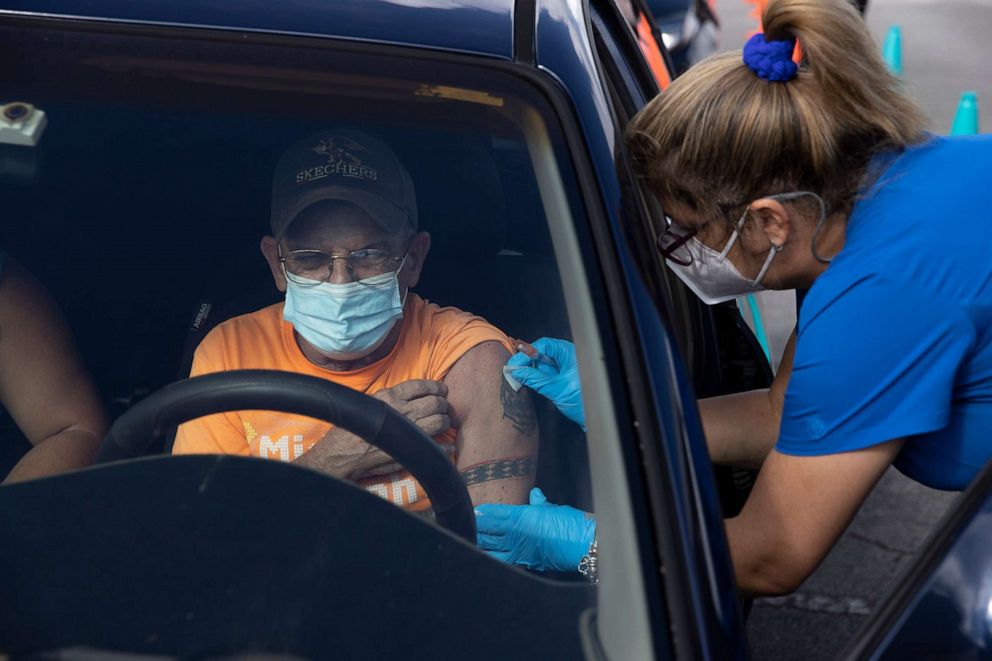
(423, 402)
(345, 455)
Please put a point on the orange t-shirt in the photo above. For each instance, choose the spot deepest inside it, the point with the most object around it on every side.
(431, 341)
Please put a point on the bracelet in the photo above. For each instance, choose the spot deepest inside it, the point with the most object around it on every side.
(588, 564)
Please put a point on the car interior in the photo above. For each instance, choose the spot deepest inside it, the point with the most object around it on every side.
(142, 208)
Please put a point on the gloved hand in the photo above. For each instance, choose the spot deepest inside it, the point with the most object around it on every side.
(559, 383)
(539, 536)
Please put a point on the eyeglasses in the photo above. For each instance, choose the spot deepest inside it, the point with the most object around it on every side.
(673, 242)
(309, 268)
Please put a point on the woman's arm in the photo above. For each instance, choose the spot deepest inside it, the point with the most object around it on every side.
(741, 429)
(43, 383)
(797, 510)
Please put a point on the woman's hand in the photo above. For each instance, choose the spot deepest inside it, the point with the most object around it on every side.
(558, 382)
(538, 536)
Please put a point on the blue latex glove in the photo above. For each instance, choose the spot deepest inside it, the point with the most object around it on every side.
(559, 383)
(539, 536)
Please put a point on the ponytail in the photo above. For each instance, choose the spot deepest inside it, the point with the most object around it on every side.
(720, 136)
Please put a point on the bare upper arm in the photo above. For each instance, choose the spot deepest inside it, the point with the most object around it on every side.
(742, 428)
(43, 383)
(497, 428)
(776, 393)
(797, 510)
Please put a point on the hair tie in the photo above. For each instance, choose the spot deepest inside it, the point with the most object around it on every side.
(771, 60)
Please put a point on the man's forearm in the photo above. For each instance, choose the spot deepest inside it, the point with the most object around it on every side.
(334, 466)
(740, 429)
(343, 455)
(326, 457)
(65, 451)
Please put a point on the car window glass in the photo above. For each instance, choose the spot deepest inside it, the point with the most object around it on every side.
(720, 350)
(643, 218)
(144, 201)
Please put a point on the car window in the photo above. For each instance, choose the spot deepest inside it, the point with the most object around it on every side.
(630, 86)
(142, 206)
(713, 342)
(720, 350)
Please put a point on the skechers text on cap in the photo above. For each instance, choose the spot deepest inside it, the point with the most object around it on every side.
(343, 165)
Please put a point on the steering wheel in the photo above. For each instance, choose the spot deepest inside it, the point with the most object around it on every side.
(265, 390)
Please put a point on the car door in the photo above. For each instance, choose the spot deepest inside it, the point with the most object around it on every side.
(941, 606)
(674, 325)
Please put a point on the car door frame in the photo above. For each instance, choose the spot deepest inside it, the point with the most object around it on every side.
(942, 576)
(932, 579)
(682, 513)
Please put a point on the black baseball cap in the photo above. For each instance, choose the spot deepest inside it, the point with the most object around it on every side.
(347, 165)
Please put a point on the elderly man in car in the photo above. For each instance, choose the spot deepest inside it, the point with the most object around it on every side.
(346, 251)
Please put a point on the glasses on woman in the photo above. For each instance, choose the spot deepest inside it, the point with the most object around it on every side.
(309, 268)
(673, 242)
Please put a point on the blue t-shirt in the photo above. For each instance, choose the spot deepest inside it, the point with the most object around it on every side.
(895, 337)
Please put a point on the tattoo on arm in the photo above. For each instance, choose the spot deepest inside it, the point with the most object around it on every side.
(517, 408)
(499, 469)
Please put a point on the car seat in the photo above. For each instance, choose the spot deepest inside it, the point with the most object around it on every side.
(461, 202)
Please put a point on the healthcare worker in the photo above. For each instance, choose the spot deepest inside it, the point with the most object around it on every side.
(818, 175)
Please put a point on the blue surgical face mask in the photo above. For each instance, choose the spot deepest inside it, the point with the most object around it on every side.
(345, 321)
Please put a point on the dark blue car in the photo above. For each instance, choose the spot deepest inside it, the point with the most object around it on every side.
(141, 207)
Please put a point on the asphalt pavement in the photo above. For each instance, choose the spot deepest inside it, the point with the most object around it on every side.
(946, 50)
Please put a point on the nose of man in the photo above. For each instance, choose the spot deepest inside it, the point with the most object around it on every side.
(340, 273)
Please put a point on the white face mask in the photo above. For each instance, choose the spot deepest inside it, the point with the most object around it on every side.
(345, 321)
(713, 277)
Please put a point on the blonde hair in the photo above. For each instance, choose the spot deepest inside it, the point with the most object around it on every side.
(720, 136)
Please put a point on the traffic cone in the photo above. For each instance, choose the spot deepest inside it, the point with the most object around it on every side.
(966, 118)
(892, 50)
